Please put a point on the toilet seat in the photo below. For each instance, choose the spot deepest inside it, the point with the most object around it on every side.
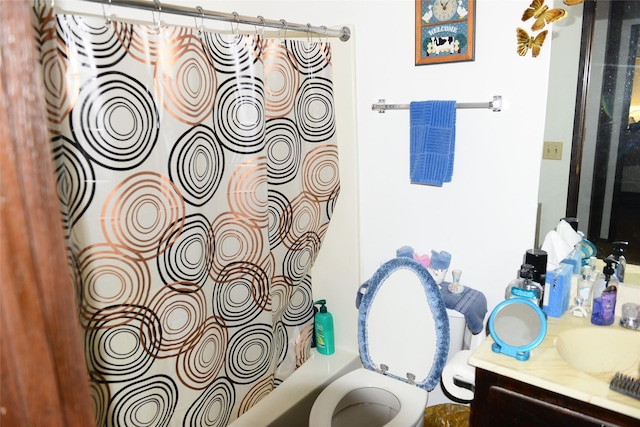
(403, 339)
(402, 296)
(412, 400)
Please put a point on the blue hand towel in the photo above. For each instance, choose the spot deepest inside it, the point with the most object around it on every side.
(471, 303)
(433, 134)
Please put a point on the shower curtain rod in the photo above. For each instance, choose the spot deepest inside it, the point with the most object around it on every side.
(344, 33)
(495, 105)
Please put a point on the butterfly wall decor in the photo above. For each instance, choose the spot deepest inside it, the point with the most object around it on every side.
(542, 14)
(526, 42)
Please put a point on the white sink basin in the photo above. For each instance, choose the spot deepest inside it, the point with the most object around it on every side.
(601, 350)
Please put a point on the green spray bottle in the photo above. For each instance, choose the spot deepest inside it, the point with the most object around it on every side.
(325, 342)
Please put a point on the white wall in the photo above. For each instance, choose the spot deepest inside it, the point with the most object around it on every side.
(486, 216)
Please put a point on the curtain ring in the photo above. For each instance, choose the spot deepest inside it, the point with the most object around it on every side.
(107, 14)
(326, 36)
(236, 18)
(309, 38)
(262, 23)
(199, 27)
(286, 27)
(156, 23)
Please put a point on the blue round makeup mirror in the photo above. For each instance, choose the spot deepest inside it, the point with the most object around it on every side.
(517, 326)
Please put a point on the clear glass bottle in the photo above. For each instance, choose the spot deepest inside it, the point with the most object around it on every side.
(455, 287)
(582, 305)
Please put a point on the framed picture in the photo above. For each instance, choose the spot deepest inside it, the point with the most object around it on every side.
(444, 31)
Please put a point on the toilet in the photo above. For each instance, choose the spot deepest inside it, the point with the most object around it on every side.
(403, 339)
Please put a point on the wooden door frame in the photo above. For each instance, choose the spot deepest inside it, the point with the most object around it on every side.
(43, 377)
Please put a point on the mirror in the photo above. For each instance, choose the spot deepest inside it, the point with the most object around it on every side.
(517, 326)
(634, 104)
(592, 98)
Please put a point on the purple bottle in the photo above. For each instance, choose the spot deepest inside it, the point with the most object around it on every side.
(604, 295)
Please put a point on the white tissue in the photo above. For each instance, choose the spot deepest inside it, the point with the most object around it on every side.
(457, 366)
(567, 233)
(556, 249)
(559, 243)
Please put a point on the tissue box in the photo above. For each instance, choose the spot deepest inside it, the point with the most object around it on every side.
(557, 289)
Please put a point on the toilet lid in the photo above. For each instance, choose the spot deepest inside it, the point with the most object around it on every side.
(403, 323)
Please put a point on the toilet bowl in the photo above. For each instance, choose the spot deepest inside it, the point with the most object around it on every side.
(366, 398)
(403, 339)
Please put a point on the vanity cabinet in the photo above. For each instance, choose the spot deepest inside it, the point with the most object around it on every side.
(502, 401)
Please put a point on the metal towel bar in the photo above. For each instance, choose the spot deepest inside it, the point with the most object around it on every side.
(494, 105)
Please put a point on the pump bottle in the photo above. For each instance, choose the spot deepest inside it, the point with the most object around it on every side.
(325, 342)
(525, 287)
(618, 255)
(605, 291)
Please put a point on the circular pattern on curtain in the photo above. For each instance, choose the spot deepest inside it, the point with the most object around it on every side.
(150, 402)
(196, 165)
(116, 119)
(144, 213)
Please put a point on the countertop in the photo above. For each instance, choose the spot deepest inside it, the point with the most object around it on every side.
(548, 370)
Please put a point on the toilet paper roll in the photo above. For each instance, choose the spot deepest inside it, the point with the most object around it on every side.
(457, 369)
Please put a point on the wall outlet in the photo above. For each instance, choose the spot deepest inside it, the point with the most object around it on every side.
(552, 150)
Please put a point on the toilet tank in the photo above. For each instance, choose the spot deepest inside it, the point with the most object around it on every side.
(460, 339)
(461, 336)
(457, 327)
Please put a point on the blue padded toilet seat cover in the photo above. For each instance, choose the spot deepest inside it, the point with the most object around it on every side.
(403, 323)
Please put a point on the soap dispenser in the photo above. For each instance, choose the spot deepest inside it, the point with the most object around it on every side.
(325, 342)
(618, 255)
(605, 290)
(525, 287)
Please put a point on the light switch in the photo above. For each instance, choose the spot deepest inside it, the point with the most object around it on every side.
(552, 150)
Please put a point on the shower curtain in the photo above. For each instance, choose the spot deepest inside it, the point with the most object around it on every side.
(197, 174)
